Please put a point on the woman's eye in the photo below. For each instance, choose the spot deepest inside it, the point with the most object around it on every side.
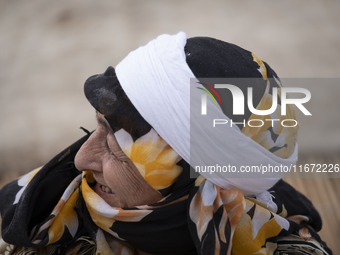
(108, 143)
(111, 143)
(115, 149)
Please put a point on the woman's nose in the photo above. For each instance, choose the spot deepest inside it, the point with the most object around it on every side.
(89, 156)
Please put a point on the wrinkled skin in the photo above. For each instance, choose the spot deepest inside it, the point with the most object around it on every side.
(118, 181)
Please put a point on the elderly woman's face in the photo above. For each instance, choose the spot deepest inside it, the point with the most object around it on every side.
(118, 181)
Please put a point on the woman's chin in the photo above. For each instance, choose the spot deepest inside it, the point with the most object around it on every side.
(109, 198)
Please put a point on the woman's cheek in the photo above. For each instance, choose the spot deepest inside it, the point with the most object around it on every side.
(110, 174)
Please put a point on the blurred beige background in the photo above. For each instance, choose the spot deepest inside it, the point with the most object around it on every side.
(49, 48)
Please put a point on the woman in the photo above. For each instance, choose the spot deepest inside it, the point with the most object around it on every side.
(134, 194)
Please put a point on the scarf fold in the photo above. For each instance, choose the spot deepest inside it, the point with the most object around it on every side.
(55, 210)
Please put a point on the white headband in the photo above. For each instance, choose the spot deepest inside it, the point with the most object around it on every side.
(156, 78)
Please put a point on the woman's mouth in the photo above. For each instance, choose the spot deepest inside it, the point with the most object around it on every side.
(103, 190)
(107, 194)
(106, 189)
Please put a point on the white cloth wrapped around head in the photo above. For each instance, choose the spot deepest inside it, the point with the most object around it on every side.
(156, 78)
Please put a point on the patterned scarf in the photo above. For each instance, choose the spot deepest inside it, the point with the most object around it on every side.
(54, 210)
